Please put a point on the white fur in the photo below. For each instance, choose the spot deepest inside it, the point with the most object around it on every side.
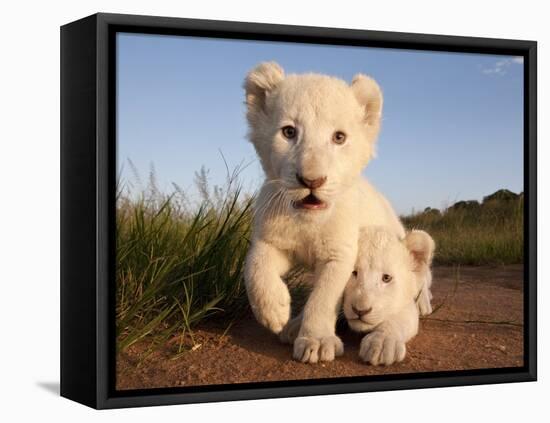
(325, 239)
(393, 317)
(419, 245)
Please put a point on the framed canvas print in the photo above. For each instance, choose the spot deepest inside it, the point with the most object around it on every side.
(257, 211)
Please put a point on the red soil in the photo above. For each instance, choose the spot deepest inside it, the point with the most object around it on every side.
(477, 324)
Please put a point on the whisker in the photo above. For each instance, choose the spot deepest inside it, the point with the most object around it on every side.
(265, 205)
(282, 202)
(275, 209)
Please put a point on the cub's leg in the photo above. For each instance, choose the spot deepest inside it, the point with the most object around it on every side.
(424, 301)
(268, 294)
(317, 340)
(424, 298)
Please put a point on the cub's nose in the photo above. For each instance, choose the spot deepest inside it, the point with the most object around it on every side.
(361, 313)
(311, 183)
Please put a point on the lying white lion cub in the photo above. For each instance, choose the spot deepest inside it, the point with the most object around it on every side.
(381, 296)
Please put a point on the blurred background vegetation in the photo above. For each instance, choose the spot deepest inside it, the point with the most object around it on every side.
(474, 233)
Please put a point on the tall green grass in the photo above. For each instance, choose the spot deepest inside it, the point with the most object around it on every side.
(179, 264)
(176, 267)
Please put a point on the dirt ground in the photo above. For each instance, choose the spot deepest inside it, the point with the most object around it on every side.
(477, 323)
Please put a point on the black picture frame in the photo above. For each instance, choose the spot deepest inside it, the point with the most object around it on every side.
(88, 148)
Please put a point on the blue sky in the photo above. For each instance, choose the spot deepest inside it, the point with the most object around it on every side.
(452, 122)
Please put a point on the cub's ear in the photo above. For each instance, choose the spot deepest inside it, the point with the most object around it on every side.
(259, 82)
(369, 95)
(422, 247)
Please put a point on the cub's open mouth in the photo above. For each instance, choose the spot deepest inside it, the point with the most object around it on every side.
(310, 203)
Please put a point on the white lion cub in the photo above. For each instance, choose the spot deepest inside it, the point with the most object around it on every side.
(314, 134)
(381, 296)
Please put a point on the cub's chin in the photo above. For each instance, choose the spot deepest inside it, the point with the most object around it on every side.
(358, 325)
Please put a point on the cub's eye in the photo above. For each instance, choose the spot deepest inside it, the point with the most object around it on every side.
(289, 132)
(354, 273)
(339, 137)
(386, 278)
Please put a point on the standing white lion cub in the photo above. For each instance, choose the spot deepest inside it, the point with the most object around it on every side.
(314, 134)
(382, 293)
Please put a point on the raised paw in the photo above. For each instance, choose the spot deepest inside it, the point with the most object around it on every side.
(290, 331)
(380, 348)
(311, 350)
(273, 310)
(274, 316)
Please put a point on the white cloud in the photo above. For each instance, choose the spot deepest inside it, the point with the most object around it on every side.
(500, 67)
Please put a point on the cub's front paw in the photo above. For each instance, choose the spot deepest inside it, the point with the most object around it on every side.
(311, 350)
(379, 348)
(424, 302)
(273, 311)
(274, 316)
